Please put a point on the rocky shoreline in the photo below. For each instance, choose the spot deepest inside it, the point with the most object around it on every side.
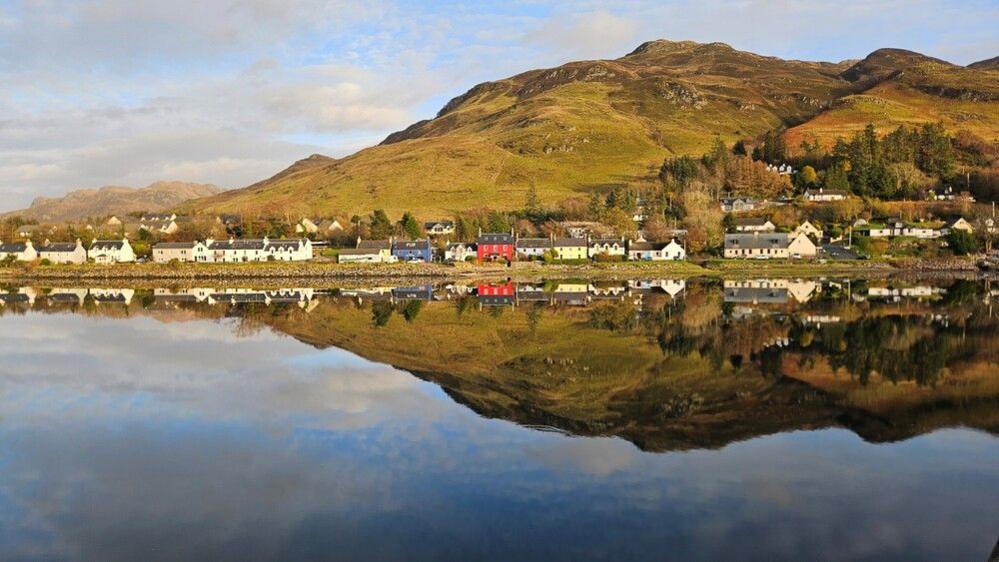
(438, 272)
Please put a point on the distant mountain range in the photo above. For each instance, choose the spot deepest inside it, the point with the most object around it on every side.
(113, 200)
(590, 125)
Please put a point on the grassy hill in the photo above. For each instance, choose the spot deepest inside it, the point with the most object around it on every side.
(592, 125)
(82, 204)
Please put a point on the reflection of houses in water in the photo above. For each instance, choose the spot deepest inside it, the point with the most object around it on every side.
(818, 320)
(368, 293)
(424, 293)
(671, 287)
(298, 296)
(66, 295)
(895, 294)
(771, 291)
(112, 296)
(497, 295)
(533, 293)
(24, 295)
(608, 292)
(571, 294)
(756, 291)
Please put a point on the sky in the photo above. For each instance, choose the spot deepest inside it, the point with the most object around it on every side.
(229, 92)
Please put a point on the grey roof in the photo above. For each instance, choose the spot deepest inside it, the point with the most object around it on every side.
(446, 224)
(570, 242)
(534, 243)
(358, 251)
(756, 241)
(751, 221)
(756, 294)
(13, 247)
(411, 245)
(58, 247)
(291, 244)
(174, 245)
(496, 238)
(607, 241)
(374, 245)
(644, 246)
(454, 245)
(243, 244)
(107, 245)
(157, 217)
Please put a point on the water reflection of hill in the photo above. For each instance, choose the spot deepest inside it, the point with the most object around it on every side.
(665, 364)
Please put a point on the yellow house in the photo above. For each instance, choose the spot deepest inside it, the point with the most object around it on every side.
(571, 248)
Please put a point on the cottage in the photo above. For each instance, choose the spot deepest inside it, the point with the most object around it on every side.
(413, 250)
(822, 195)
(607, 247)
(960, 224)
(322, 227)
(63, 252)
(754, 224)
(368, 251)
(756, 245)
(439, 228)
(497, 295)
(166, 252)
(112, 296)
(738, 204)
(162, 223)
(111, 251)
(290, 249)
(808, 229)
(458, 251)
(641, 250)
(768, 245)
(236, 250)
(496, 245)
(570, 248)
(533, 248)
(580, 229)
(20, 251)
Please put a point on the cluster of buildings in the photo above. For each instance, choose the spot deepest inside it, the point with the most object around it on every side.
(922, 231)
(241, 250)
(503, 246)
(100, 251)
(755, 239)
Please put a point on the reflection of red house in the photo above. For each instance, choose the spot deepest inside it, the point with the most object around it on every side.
(494, 246)
(504, 290)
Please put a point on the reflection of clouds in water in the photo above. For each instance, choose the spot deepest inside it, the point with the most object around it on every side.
(195, 369)
(126, 440)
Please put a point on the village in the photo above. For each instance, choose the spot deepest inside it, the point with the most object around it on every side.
(754, 237)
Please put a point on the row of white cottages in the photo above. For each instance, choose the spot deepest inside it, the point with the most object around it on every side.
(234, 250)
(100, 251)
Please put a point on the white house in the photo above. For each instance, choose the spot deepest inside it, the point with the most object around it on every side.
(257, 250)
(960, 224)
(294, 249)
(20, 251)
(760, 245)
(63, 252)
(608, 247)
(458, 251)
(640, 250)
(754, 224)
(808, 229)
(368, 251)
(166, 252)
(111, 251)
(161, 223)
(534, 247)
(821, 195)
(738, 204)
(323, 227)
(439, 228)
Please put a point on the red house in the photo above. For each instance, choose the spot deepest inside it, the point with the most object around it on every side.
(494, 246)
(497, 295)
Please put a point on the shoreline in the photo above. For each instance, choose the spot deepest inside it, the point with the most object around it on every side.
(519, 271)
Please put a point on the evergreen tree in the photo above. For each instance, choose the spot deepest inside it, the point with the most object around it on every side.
(410, 227)
(381, 226)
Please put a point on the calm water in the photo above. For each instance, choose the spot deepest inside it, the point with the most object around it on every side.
(648, 420)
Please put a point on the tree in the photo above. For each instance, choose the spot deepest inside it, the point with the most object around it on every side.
(962, 243)
(739, 148)
(808, 176)
(595, 209)
(678, 171)
(836, 178)
(410, 226)
(380, 225)
(531, 203)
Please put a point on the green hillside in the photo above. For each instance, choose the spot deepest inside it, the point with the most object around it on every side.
(592, 125)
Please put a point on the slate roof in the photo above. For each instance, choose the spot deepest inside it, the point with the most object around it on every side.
(175, 245)
(58, 247)
(14, 247)
(527, 243)
(411, 245)
(374, 245)
(751, 221)
(570, 243)
(497, 238)
(107, 245)
(757, 241)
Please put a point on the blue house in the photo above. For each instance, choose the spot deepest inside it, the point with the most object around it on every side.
(413, 250)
